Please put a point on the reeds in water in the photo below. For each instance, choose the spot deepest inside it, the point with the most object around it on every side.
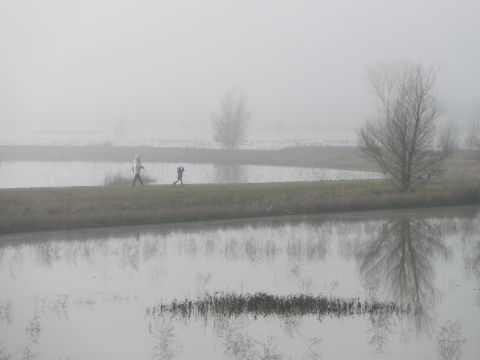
(121, 179)
(263, 305)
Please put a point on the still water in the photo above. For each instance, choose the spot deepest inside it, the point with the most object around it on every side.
(376, 285)
(22, 174)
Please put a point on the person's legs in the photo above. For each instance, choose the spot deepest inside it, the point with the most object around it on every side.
(137, 176)
(179, 178)
(181, 181)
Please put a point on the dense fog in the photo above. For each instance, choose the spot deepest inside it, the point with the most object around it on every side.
(123, 67)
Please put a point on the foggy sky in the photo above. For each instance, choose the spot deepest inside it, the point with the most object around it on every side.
(86, 65)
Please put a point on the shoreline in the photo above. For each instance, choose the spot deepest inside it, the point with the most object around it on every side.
(463, 164)
(335, 157)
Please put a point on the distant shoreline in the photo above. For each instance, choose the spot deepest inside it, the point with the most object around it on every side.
(334, 157)
(464, 164)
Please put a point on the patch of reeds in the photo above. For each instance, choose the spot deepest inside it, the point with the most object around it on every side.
(263, 305)
(24, 210)
(120, 179)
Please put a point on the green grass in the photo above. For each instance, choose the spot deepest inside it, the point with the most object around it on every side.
(38, 209)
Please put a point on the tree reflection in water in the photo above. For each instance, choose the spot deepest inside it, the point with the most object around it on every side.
(166, 346)
(450, 341)
(400, 262)
(230, 173)
(397, 268)
(471, 255)
(6, 312)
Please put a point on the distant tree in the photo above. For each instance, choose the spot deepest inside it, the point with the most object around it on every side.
(230, 126)
(472, 140)
(447, 136)
(401, 140)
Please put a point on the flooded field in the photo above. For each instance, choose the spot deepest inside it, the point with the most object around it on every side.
(22, 174)
(383, 285)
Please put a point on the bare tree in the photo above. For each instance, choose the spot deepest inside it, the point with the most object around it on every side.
(230, 125)
(447, 136)
(401, 140)
(472, 141)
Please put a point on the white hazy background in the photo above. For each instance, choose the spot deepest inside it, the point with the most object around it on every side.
(110, 66)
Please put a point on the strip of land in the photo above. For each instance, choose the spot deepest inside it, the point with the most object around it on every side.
(42, 209)
(343, 158)
(463, 164)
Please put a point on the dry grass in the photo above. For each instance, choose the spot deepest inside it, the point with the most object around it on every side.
(120, 179)
(38, 209)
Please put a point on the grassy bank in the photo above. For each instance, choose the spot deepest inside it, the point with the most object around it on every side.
(38, 209)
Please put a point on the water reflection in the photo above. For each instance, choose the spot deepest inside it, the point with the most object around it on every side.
(471, 256)
(87, 173)
(232, 173)
(6, 312)
(380, 327)
(33, 330)
(302, 243)
(166, 344)
(450, 341)
(237, 343)
(24, 353)
(57, 305)
(129, 254)
(300, 282)
(400, 262)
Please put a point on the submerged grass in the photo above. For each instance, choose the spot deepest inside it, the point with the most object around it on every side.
(263, 305)
(38, 209)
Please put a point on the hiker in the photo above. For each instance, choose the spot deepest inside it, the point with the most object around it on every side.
(137, 165)
(180, 171)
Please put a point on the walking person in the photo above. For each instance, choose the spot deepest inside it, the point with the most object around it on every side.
(136, 167)
(180, 171)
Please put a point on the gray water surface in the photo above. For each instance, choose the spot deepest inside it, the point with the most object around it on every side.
(116, 293)
(23, 174)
